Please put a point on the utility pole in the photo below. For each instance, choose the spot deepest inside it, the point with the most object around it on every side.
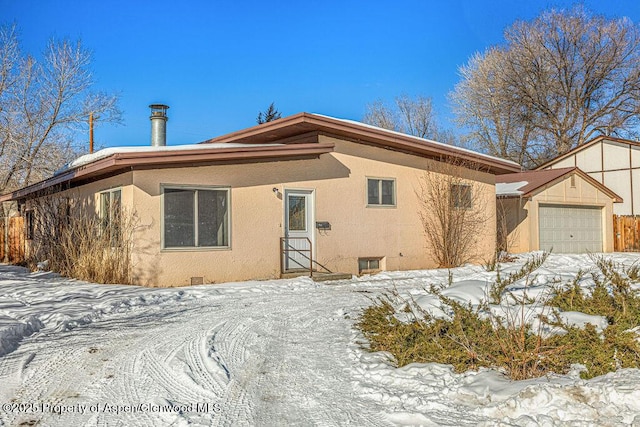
(91, 132)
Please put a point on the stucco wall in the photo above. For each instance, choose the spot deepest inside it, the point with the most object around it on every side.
(257, 214)
(523, 214)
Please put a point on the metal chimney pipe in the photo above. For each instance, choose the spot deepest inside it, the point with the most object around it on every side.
(158, 124)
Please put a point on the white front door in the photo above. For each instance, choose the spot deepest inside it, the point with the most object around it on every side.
(298, 229)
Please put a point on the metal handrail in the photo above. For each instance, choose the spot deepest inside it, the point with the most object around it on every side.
(286, 248)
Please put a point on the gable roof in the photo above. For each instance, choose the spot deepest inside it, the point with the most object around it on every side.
(585, 145)
(306, 127)
(293, 137)
(536, 181)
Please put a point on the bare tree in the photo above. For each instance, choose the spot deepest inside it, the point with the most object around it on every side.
(453, 210)
(559, 80)
(43, 105)
(413, 116)
(485, 106)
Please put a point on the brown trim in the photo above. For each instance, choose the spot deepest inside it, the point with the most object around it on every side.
(173, 158)
(601, 162)
(280, 129)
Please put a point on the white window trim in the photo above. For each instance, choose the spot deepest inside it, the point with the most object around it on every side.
(110, 192)
(164, 187)
(395, 192)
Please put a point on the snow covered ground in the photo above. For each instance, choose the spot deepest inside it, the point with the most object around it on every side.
(271, 353)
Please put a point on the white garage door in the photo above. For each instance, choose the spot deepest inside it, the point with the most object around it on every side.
(570, 229)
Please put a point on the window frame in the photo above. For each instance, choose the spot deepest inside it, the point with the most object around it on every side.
(370, 270)
(29, 226)
(380, 180)
(194, 188)
(456, 199)
(106, 218)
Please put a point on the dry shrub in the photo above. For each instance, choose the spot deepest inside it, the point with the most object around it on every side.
(453, 211)
(77, 243)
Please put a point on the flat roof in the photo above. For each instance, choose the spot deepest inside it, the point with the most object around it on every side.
(302, 124)
(293, 137)
(122, 159)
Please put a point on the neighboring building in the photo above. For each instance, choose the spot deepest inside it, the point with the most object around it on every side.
(613, 162)
(564, 210)
(340, 192)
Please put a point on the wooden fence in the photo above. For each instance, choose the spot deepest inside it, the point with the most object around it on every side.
(626, 233)
(12, 240)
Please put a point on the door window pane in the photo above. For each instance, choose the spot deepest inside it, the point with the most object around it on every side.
(297, 213)
(179, 230)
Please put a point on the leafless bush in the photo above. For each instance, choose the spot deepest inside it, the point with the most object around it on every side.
(76, 242)
(453, 212)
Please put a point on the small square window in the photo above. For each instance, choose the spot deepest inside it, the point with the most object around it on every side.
(381, 192)
(461, 196)
(368, 265)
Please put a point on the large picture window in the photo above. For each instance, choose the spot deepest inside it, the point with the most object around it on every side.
(195, 218)
(381, 192)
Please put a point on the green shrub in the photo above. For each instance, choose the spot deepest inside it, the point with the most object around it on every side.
(473, 337)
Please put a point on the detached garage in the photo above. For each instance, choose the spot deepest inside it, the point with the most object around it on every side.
(564, 210)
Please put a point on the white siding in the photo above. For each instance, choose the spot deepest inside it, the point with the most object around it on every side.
(569, 162)
(635, 156)
(619, 183)
(616, 156)
(596, 175)
(589, 159)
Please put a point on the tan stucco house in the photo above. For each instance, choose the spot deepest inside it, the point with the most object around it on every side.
(337, 195)
(563, 209)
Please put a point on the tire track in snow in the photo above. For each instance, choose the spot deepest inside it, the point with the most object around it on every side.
(274, 357)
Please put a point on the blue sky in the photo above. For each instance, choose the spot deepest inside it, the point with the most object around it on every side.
(218, 63)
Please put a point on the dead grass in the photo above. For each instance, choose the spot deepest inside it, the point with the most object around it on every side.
(77, 243)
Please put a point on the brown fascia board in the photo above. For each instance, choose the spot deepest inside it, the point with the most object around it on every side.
(585, 145)
(133, 160)
(302, 123)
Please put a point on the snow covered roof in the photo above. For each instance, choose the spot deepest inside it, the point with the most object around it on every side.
(306, 127)
(121, 159)
(101, 154)
(295, 136)
(424, 140)
(508, 189)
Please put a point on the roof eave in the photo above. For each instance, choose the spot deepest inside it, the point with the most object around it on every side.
(305, 122)
(131, 160)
